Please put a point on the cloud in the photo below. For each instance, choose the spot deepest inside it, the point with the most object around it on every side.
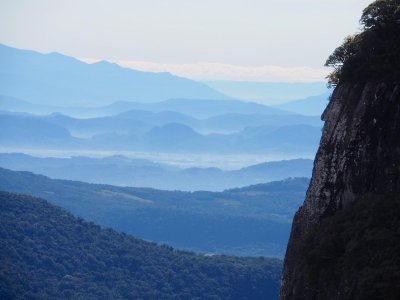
(218, 71)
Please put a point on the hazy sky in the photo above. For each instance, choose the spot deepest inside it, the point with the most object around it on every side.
(263, 40)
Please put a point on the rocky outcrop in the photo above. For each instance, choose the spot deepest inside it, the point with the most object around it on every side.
(359, 154)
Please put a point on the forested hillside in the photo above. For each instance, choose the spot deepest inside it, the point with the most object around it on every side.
(46, 253)
(254, 220)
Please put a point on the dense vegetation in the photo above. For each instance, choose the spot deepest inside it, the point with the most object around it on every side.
(46, 253)
(356, 251)
(369, 54)
(253, 221)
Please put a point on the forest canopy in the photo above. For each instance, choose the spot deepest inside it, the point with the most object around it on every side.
(47, 253)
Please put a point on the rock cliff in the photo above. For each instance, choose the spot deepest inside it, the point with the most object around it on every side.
(345, 239)
(359, 155)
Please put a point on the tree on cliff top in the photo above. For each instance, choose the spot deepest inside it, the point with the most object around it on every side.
(375, 51)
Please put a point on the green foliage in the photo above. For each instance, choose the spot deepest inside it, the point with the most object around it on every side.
(355, 251)
(342, 54)
(381, 13)
(46, 253)
(375, 52)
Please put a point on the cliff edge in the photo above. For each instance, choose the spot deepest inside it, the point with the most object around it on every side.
(345, 238)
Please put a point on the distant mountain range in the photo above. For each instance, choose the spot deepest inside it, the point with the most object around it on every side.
(270, 93)
(196, 108)
(253, 220)
(59, 80)
(137, 131)
(310, 106)
(52, 102)
(122, 171)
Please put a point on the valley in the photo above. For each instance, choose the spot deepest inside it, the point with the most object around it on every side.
(248, 221)
(199, 150)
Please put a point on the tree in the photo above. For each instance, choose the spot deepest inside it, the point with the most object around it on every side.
(381, 13)
(375, 49)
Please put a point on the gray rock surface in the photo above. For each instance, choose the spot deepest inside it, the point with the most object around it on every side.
(359, 153)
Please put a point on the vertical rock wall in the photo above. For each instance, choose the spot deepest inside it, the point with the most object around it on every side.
(359, 154)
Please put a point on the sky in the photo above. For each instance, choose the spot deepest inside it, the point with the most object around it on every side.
(252, 40)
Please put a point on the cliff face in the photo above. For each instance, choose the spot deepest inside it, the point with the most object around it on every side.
(359, 155)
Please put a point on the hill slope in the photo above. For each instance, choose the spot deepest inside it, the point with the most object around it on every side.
(49, 254)
(251, 221)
